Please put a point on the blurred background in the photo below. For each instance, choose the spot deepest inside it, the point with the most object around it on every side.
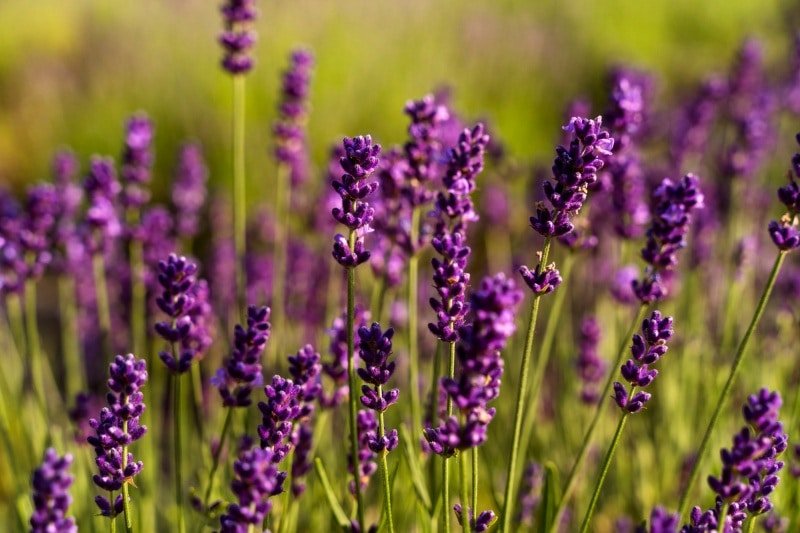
(72, 71)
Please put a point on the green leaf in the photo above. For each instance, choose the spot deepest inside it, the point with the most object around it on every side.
(551, 489)
(338, 512)
(417, 478)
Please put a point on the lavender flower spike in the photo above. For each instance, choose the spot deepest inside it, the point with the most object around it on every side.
(137, 162)
(241, 372)
(189, 190)
(51, 499)
(784, 232)
(359, 162)
(289, 130)
(591, 367)
(237, 39)
(375, 347)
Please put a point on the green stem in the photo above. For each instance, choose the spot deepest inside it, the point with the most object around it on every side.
(196, 385)
(475, 482)
(511, 485)
(593, 425)
(353, 392)
(103, 309)
(215, 459)
(126, 504)
(36, 365)
(451, 372)
(751, 524)
(387, 489)
(282, 199)
(413, 342)
(177, 451)
(464, 485)
(239, 190)
(726, 390)
(337, 510)
(76, 378)
(113, 519)
(17, 323)
(587, 519)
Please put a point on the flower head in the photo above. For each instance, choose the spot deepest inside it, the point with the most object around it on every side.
(189, 190)
(51, 500)
(137, 161)
(238, 38)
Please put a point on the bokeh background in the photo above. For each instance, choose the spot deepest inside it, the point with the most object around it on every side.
(72, 71)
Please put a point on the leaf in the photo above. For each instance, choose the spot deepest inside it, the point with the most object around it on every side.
(417, 478)
(551, 489)
(336, 508)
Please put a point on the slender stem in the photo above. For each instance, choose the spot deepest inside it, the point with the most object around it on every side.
(593, 425)
(726, 390)
(475, 482)
(215, 458)
(73, 364)
(177, 451)
(103, 309)
(353, 392)
(587, 519)
(17, 323)
(36, 365)
(126, 504)
(387, 489)
(282, 200)
(464, 485)
(751, 524)
(112, 526)
(451, 372)
(196, 386)
(239, 190)
(413, 341)
(511, 484)
(138, 291)
(723, 514)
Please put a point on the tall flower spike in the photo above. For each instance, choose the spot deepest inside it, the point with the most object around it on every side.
(289, 130)
(241, 371)
(591, 367)
(306, 370)
(375, 347)
(189, 190)
(238, 38)
(336, 367)
(51, 500)
(117, 428)
(455, 210)
(39, 227)
(102, 189)
(422, 151)
(255, 480)
(672, 206)
(784, 232)
(137, 161)
(647, 348)
(279, 413)
(359, 162)
(493, 307)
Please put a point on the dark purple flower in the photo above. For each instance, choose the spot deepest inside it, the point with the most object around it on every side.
(626, 114)
(241, 371)
(279, 413)
(647, 348)
(117, 428)
(189, 190)
(255, 480)
(51, 500)
(290, 136)
(37, 234)
(137, 162)
(591, 367)
(359, 162)
(375, 348)
(336, 367)
(237, 39)
(662, 521)
(423, 148)
(479, 524)
(672, 206)
(493, 306)
(102, 189)
(542, 281)
(784, 232)
(366, 429)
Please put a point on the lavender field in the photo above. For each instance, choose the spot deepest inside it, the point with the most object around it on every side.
(422, 267)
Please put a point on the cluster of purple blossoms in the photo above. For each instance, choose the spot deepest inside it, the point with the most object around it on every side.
(375, 347)
(255, 480)
(306, 370)
(290, 135)
(189, 190)
(117, 428)
(65, 238)
(51, 499)
(648, 347)
(574, 170)
(359, 162)
(784, 231)
(237, 39)
(12, 261)
(241, 371)
(137, 162)
(626, 114)
(672, 206)
(39, 225)
(661, 521)
(493, 306)
(336, 367)
(278, 414)
(156, 233)
(479, 524)
(455, 210)
(184, 299)
(591, 367)
(367, 428)
(102, 189)
(749, 468)
(423, 148)
(695, 120)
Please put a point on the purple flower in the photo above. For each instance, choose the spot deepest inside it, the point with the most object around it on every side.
(627, 108)
(672, 206)
(255, 480)
(117, 428)
(784, 232)
(455, 210)
(156, 235)
(375, 347)
(479, 524)
(423, 148)
(493, 307)
(189, 190)
(278, 413)
(137, 162)
(541, 281)
(37, 234)
(336, 367)
(51, 500)
(290, 136)
(237, 39)
(366, 429)
(591, 367)
(241, 371)
(627, 195)
(647, 348)
(102, 189)
(662, 521)
(184, 299)
(531, 492)
(359, 162)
